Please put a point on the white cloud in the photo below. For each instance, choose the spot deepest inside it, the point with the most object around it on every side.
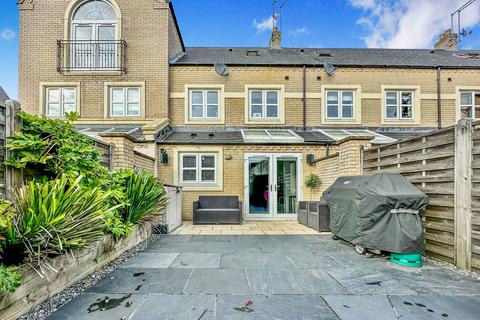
(7, 34)
(299, 31)
(410, 23)
(263, 25)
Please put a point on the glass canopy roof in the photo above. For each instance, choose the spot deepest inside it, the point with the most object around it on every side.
(339, 134)
(270, 136)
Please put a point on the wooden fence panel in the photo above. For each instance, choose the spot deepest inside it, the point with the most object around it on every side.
(428, 163)
(475, 205)
(2, 149)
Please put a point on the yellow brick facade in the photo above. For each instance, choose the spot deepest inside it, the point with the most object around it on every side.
(370, 80)
(146, 26)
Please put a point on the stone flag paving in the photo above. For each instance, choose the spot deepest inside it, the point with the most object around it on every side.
(207, 277)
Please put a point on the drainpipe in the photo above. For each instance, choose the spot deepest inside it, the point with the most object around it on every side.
(304, 98)
(439, 99)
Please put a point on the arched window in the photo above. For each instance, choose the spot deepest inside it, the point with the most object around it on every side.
(94, 32)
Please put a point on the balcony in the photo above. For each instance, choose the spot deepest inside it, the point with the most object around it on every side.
(91, 56)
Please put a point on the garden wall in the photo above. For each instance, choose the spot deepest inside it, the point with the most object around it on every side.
(72, 268)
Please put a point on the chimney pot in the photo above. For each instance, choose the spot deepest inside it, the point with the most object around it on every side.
(447, 40)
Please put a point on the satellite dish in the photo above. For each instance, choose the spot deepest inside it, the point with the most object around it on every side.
(221, 69)
(329, 68)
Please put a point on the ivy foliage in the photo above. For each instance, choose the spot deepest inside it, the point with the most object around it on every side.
(10, 279)
(53, 147)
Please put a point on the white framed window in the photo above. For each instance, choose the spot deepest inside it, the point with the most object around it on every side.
(59, 101)
(470, 100)
(125, 101)
(204, 104)
(264, 104)
(198, 168)
(398, 105)
(340, 104)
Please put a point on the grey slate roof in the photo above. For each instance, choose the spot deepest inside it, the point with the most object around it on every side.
(3, 95)
(339, 57)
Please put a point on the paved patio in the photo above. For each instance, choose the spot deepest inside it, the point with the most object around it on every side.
(248, 228)
(205, 277)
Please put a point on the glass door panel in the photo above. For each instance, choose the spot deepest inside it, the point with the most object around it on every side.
(83, 49)
(106, 55)
(286, 186)
(259, 185)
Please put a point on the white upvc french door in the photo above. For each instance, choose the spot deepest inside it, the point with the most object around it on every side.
(272, 186)
(94, 46)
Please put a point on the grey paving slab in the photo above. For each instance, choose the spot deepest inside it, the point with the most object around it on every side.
(279, 245)
(292, 281)
(176, 307)
(197, 260)
(278, 307)
(349, 307)
(214, 238)
(225, 247)
(437, 307)
(175, 247)
(365, 281)
(175, 238)
(435, 281)
(88, 306)
(244, 260)
(123, 280)
(217, 281)
(313, 261)
(150, 260)
(352, 260)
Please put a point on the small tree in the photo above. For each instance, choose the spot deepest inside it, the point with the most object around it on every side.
(312, 182)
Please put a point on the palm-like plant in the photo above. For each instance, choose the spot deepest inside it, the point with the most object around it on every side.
(146, 198)
(53, 217)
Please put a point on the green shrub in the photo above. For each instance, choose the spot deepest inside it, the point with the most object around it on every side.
(53, 147)
(145, 197)
(10, 279)
(53, 217)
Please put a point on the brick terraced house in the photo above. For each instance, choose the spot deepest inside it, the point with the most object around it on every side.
(250, 122)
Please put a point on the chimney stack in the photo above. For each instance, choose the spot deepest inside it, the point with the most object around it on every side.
(276, 39)
(448, 40)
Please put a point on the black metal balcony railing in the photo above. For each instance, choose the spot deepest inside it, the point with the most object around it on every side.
(91, 55)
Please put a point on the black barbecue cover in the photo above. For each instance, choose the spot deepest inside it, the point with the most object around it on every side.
(379, 211)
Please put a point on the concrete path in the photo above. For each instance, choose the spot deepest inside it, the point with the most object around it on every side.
(265, 277)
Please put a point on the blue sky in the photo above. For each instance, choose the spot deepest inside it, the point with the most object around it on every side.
(306, 23)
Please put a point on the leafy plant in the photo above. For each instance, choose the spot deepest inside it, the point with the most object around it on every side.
(53, 147)
(10, 279)
(146, 198)
(53, 217)
(312, 182)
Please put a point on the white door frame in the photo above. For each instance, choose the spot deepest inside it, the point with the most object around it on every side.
(272, 181)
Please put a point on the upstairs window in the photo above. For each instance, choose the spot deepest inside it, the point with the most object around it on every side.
(125, 101)
(470, 101)
(93, 34)
(339, 104)
(264, 104)
(398, 105)
(204, 105)
(60, 101)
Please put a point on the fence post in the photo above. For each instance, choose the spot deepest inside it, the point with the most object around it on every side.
(13, 176)
(463, 194)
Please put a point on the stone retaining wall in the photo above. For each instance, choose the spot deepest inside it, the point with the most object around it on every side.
(71, 268)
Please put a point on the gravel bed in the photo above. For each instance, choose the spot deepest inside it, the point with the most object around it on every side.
(451, 267)
(53, 303)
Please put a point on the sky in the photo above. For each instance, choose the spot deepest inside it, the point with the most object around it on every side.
(305, 23)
